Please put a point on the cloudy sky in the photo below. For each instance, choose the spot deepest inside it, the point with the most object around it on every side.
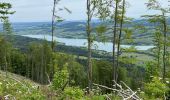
(40, 10)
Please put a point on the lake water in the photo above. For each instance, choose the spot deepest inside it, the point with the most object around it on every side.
(83, 43)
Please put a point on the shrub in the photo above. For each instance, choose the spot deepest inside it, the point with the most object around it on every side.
(73, 93)
(155, 88)
(60, 78)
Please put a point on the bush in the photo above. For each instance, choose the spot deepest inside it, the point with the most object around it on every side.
(156, 88)
(60, 78)
(73, 93)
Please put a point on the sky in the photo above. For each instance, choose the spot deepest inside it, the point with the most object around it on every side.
(41, 10)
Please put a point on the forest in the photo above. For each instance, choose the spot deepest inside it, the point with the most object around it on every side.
(123, 58)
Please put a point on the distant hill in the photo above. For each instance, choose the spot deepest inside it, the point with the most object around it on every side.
(76, 29)
(22, 43)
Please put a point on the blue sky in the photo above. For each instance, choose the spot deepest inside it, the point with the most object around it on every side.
(40, 10)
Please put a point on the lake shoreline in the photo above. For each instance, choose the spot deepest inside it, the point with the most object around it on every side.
(107, 46)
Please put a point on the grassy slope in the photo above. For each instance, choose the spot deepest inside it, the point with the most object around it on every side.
(20, 88)
(16, 87)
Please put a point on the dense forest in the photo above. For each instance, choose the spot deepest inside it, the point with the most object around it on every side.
(47, 69)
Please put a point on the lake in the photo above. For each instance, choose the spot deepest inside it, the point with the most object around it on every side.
(107, 46)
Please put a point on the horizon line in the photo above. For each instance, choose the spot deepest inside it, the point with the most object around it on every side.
(63, 21)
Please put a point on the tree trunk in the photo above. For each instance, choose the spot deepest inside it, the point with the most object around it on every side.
(114, 43)
(53, 21)
(32, 66)
(42, 67)
(159, 53)
(89, 45)
(6, 63)
(120, 34)
(52, 42)
(164, 46)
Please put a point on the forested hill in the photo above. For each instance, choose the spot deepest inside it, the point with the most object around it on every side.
(22, 43)
(76, 29)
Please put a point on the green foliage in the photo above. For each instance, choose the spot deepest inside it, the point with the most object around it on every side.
(77, 75)
(153, 4)
(123, 75)
(104, 97)
(100, 97)
(5, 10)
(156, 88)
(158, 42)
(19, 90)
(18, 65)
(160, 28)
(129, 60)
(5, 53)
(100, 30)
(39, 58)
(55, 15)
(151, 70)
(7, 28)
(102, 72)
(60, 79)
(128, 35)
(130, 49)
(59, 19)
(73, 93)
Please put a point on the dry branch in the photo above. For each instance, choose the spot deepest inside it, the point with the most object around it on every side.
(126, 93)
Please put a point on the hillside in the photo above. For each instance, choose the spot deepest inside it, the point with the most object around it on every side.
(77, 29)
(16, 87)
(23, 43)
